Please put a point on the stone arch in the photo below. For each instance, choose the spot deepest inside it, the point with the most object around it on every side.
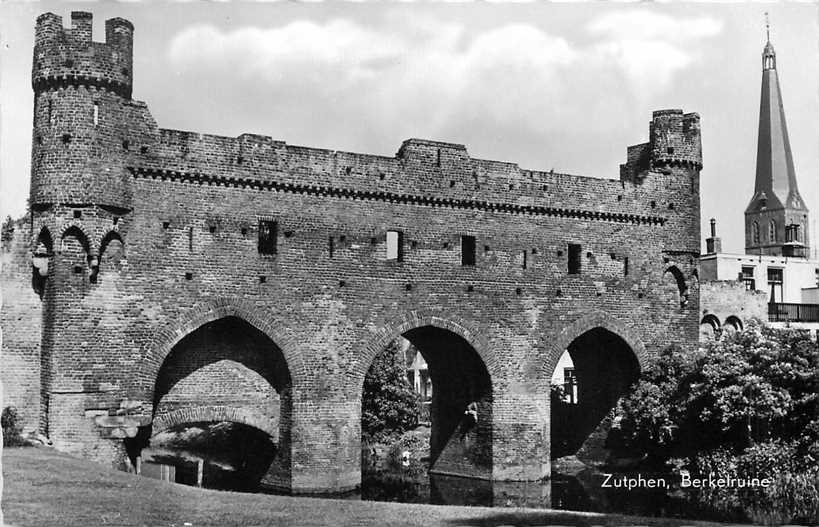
(107, 239)
(78, 230)
(399, 325)
(606, 357)
(45, 240)
(583, 325)
(732, 324)
(462, 368)
(208, 414)
(710, 327)
(167, 336)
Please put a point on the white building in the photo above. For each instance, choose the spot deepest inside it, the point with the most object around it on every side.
(776, 231)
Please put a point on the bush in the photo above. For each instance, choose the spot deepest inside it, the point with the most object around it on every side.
(12, 429)
(751, 387)
(792, 496)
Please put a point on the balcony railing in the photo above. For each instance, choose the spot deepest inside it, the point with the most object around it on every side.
(781, 312)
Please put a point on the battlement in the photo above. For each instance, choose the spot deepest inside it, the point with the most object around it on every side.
(673, 140)
(69, 56)
(421, 171)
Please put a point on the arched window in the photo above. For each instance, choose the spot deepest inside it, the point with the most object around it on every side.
(709, 328)
(772, 231)
(755, 233)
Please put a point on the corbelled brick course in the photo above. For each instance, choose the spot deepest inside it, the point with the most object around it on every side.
(151, 237)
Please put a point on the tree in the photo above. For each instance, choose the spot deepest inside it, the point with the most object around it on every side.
(6, 233)
(389, 406)
(756, 385)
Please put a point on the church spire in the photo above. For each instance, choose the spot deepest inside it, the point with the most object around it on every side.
(776, 220)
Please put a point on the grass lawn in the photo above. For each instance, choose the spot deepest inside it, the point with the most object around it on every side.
(47, 488)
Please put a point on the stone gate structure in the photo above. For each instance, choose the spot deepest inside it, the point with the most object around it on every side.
(165, 277)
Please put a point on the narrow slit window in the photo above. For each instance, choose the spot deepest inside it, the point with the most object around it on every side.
(330, 246)
(96, 114)
(575, 252)
(524, 259)
(467, 250)
(395, 241)
(268, 232)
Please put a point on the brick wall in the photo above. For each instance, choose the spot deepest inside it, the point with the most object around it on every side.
(21, 322)
(725, 299)
(159, 236)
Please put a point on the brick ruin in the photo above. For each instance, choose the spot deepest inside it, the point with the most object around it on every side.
(164, 277)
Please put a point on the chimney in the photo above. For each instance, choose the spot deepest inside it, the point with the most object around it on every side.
(713, 245)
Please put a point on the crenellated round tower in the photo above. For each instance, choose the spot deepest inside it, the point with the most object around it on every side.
(82, 95)
(675, 139)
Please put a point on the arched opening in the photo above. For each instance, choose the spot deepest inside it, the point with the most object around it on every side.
(709, 328)
(732, 325)
(676, 287)
(452, 433)
(603, 367)
(222, 455)
(227, 373)
(73, 258)
(40, 258)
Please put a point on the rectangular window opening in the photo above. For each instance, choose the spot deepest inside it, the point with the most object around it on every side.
(395, 243)
(268, 233)
(575, 252)
(747, 277)
(625, 266)
(775, 279)
(96, 114)
(524, 259)
(330, 246)
(467, 250)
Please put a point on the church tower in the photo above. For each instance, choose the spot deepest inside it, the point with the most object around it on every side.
(776, 219)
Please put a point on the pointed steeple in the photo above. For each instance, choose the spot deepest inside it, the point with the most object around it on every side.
(776, 219)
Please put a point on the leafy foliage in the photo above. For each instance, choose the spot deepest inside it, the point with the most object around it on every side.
(390, 405)
(744, 406)
(756, 385)
(12, 429)
(793, 493)
(6, 233)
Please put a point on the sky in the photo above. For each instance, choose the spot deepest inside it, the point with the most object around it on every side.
(562, 86)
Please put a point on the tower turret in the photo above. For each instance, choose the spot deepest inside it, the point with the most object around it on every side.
(82, 109)
(776, 219)
(674, 141)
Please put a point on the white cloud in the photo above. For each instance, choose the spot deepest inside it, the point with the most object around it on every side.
(424, 77)
(648, 25)
(650, 48)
